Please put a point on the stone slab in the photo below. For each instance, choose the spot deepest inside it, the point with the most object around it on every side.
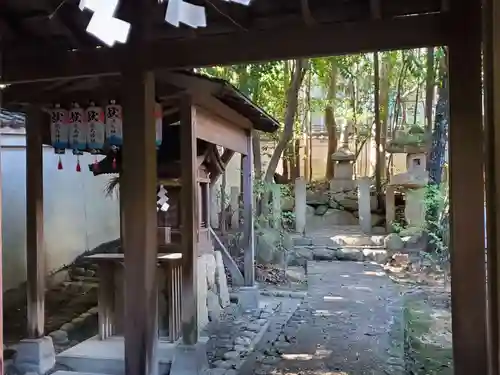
(107, 356)
(248, 297)
(35, 355)
(202, 293)
(190, 359)
(221, 280)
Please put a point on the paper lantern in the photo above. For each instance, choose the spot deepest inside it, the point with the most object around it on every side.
(59, 130)
(77, 130)
(114, 121)
(158, 124)
(95, 128)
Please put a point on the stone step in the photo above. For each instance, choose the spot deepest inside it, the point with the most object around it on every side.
(340, 241)
(61, 372)
(351, 253)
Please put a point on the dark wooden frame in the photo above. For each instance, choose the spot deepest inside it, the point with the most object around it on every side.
(456, 24)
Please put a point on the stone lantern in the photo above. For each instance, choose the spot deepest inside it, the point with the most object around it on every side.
(412, 183)
(343, 160)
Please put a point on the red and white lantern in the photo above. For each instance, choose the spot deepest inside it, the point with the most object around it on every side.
(77, 133)
(158, 124)
(96, 132)
(59, 131)
(114, 124)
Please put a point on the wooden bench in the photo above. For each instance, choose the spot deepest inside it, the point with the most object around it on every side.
(110, 267)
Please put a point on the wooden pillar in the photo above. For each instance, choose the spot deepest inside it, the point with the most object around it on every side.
(491, 66)
(189, 223)
(138, 197)
(1, 267)
(467, 189)
(248, 225)
(35, 253)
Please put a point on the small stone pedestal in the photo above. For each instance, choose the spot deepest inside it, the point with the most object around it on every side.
(35, 355)
(190, 359)
(364, 203)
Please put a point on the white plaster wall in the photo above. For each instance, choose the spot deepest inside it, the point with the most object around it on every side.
(77, 215)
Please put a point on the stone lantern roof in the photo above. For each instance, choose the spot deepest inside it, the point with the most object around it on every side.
(343, 154)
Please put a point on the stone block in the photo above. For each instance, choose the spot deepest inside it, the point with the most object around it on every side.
(355, 255)
(248, 297)
(202, 293)
(35, 355)
(211, 267)
(214, 307)
(221, 280)
(190, 359)
(302, 241)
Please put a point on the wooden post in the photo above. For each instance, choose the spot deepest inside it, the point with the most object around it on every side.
(213, 203)
(138, 195)
(248, 225)
(491, 64)
(1, 252)
(35, 253)
(468, 288)
(189, 223)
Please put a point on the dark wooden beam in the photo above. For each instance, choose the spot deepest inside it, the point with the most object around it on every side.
(189, 222)
(138, 196)
(491, 66)
(248, 227)
(466, 147)
(237, 47)
(35, 252)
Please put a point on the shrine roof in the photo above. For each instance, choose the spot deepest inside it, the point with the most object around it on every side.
(45, 94)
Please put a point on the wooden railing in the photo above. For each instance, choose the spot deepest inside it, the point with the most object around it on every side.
(110, 308)
(173, 293)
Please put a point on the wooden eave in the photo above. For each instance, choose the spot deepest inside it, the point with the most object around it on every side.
(260, 32)
(222, 101)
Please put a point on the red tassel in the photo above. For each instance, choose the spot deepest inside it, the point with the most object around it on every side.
(78, 169)
(59, 164)
(114, 163)
(95, 167)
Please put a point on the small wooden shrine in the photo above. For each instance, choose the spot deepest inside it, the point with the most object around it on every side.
(220, 117)
(169, 183)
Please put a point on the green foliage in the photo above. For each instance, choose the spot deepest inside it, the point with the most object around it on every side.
(437, 221)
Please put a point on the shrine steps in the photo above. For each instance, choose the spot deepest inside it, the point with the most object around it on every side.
(106, 357)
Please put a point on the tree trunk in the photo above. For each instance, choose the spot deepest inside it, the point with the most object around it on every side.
(430, 82)
(385, 73)
(440, 133)
(296, 158)
(257, 157)
(380, 154)
(331, 125)
(290, 112)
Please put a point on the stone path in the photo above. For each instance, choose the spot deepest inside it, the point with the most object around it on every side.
(350, 324)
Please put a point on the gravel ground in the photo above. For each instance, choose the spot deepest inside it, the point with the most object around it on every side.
(350, 323)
